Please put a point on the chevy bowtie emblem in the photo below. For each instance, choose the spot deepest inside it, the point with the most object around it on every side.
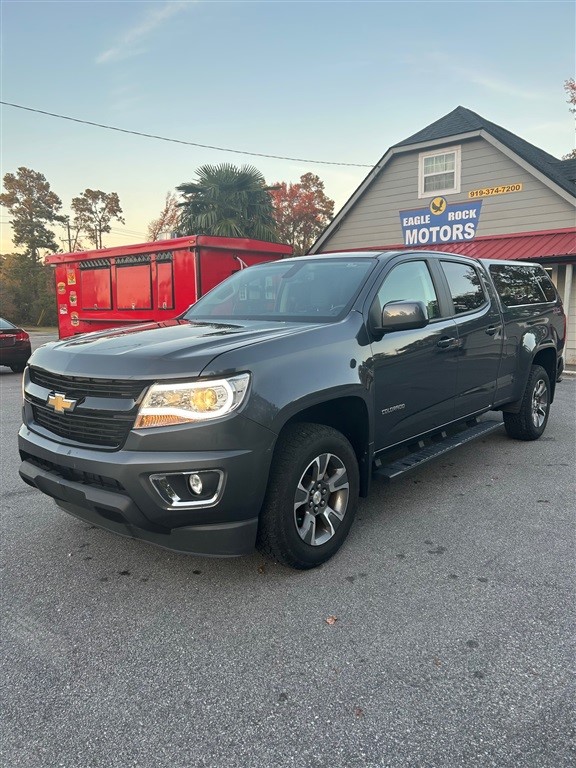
(60, 402)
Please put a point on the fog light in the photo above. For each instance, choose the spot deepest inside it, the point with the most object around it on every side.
(189, 490)
(195, 483)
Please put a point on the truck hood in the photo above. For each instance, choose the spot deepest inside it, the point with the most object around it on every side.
(161, 350)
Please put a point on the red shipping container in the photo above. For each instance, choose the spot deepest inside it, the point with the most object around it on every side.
(147, 282)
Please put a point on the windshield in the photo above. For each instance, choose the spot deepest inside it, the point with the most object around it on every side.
(308, 290)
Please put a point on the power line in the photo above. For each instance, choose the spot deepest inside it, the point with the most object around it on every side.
(180, 141)
(113, 230)
(125, 231)
(118, 233)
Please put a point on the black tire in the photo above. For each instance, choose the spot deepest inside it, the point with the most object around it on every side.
(311, 498)
(18, 367)
(530, 422)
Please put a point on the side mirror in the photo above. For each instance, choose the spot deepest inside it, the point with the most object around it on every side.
(403, 316)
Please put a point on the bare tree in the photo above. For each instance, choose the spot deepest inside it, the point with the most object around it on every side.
(570, 88)
(73, 230)
(93, 213)
(168, 220)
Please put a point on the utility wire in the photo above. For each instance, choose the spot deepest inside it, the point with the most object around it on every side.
(125, 231)
(180, 141)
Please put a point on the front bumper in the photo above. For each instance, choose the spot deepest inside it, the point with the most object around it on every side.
(113, 489)
(15, 355)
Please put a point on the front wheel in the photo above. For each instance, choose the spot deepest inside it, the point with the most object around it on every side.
(530, 422)
(312, 496)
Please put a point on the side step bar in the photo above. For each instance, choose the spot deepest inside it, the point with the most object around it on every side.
(438, 448)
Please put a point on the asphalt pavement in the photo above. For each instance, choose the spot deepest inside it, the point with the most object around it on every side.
(452, 643)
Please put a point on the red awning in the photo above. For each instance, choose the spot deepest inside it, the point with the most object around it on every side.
(521, 247)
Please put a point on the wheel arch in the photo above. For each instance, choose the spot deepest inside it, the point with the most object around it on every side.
(348, 415)
(547, 358)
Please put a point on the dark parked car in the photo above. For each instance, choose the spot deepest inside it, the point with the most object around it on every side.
(14, 346)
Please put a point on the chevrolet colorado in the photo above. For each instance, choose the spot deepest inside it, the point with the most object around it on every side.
(258, 417)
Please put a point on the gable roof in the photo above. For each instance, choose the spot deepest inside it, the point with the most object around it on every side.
(462, 122)
(568, 168)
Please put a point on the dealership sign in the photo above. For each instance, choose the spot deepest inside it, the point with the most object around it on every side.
(441, 222)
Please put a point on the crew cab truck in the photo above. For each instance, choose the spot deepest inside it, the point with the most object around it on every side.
(259, 416)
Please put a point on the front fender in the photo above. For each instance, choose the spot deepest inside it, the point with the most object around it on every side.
(293, 373)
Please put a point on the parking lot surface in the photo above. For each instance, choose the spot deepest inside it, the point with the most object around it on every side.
(452, 642)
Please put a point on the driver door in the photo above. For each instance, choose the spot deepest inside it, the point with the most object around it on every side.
(414, 370)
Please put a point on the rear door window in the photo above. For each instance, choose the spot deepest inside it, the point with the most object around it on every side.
(465, 286)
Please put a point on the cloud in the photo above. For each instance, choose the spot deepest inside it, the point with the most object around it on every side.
(132, 42)
(124, 98)
(497, 85)
(492, 82)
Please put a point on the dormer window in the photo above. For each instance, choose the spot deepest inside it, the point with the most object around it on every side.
(439, 172)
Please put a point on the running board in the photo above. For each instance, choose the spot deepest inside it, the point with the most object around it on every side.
(429, 452)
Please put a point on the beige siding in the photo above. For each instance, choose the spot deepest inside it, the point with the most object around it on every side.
(559, 277)
(570, 356)
(374, 221)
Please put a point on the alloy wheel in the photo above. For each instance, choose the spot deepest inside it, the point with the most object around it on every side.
(321, 499)
(539, 403)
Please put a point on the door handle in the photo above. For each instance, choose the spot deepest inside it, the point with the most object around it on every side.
(446, 342)
(492, 329)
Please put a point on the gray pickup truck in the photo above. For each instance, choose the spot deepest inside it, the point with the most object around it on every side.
(259, 416)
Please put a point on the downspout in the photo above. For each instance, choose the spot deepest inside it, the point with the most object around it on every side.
(566, 302)
(554, 274)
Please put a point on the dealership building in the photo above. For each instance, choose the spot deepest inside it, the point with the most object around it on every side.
(466, 185)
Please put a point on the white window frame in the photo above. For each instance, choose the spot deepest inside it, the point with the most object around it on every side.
(456, 151)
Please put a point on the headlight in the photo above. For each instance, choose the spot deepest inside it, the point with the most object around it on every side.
(166, 404)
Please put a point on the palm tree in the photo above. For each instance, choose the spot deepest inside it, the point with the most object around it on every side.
(227, 201)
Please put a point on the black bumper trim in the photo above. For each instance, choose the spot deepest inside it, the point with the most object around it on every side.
(108, 503)
(219, 540)
(118, 513)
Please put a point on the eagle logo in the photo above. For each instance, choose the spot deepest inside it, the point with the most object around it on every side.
(438, 206)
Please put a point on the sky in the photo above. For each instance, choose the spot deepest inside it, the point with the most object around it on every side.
(337, 82)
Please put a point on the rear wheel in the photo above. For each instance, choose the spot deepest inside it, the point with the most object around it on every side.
(18, 367)
(312, 496)
(530, 422)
